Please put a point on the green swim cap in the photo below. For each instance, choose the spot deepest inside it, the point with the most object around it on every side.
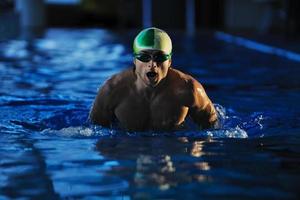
(152, 39)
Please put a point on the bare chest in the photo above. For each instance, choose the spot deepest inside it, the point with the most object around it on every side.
(164, 112)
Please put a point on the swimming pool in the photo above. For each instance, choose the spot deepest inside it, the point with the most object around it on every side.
(48, 150)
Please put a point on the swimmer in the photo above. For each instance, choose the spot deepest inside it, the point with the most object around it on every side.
(152, 95)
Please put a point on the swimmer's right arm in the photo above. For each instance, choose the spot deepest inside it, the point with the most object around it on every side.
(102, 110)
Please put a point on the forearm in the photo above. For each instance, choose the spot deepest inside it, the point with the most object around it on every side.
(213, 119)
(206, 118)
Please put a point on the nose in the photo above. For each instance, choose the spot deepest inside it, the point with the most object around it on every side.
(152, 64)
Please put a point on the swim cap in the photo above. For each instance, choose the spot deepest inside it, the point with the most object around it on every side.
(152, 39)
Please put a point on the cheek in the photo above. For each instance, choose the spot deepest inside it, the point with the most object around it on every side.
(140, 70)
(164, 70)
(140, 66)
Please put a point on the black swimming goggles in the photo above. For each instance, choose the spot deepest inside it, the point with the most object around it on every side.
(156, 57)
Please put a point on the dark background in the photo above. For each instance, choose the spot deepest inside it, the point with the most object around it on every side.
(272, 21)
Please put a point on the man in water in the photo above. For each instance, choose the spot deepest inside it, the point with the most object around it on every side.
(152, 95)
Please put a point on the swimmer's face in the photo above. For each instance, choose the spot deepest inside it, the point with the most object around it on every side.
(152, 66)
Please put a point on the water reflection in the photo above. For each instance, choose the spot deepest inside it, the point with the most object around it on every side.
(159, 162)
(154, 171)
(197, 149)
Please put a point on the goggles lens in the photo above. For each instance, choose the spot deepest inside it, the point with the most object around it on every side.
(158, 57)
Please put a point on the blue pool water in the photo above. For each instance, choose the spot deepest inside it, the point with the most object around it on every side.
(48, 149)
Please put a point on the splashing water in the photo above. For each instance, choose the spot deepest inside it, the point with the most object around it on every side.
(98, 131)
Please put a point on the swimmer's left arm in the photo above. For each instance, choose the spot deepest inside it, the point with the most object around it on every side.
(202, 110)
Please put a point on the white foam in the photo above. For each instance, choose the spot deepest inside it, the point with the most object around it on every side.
(80, 131)
(71, 132)
(221, 112)
(236, 132)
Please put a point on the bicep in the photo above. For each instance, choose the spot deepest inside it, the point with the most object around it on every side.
(203, 111)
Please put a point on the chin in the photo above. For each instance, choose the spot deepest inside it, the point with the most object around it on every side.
(153, 83)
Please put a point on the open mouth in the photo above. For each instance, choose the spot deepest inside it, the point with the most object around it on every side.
(151, 74)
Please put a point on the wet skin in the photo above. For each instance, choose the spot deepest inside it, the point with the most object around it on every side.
(153, 96)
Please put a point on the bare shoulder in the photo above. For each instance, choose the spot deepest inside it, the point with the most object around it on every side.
(184, 80)
(189, 88)
(121, 78)
(118, 81)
